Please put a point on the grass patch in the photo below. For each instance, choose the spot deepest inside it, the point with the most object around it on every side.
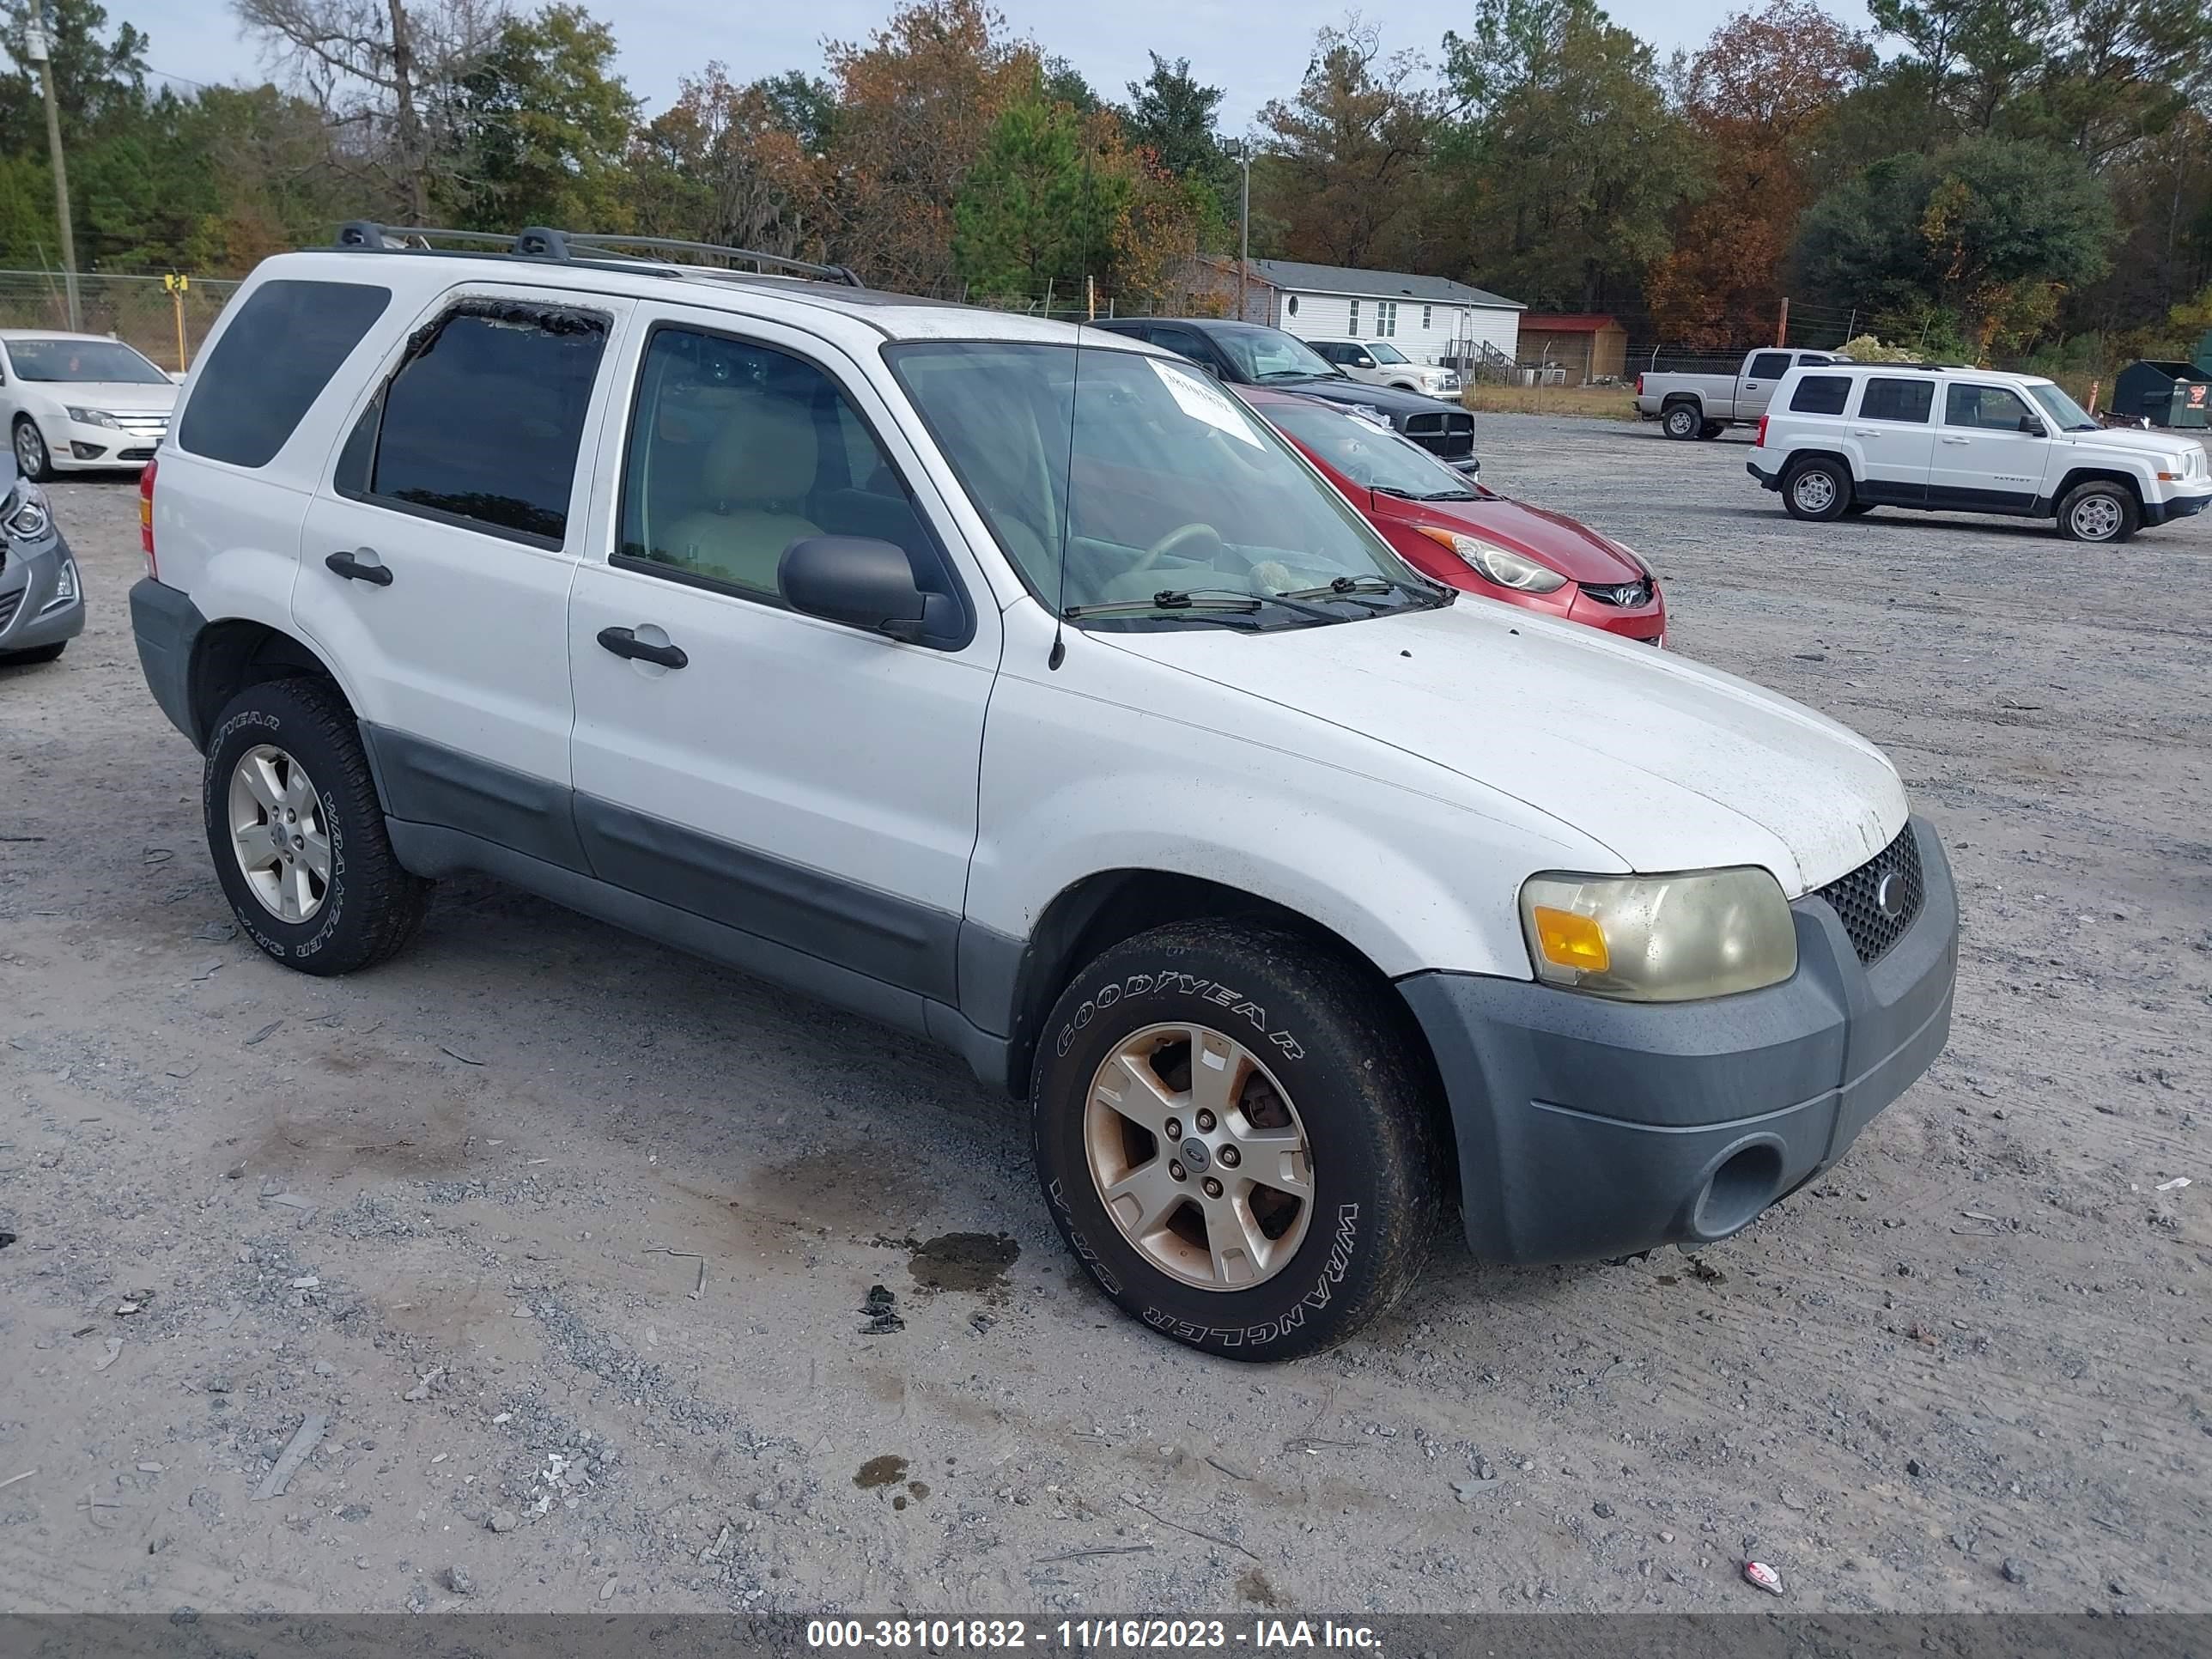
(1603, 402)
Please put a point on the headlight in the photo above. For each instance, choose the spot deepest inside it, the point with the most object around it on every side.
(92, 418)
(1501, 564)
(1660, 939)
(24, 514)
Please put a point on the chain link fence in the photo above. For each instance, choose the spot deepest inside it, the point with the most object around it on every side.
(137, 310)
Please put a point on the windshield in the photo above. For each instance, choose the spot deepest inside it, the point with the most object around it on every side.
(1173, 486)
(1262, 355)
(1385, 354)
(82, 360)
(1370, 455)
(2065, 413)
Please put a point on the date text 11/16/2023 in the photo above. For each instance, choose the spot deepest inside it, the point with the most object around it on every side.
(1131, 1635)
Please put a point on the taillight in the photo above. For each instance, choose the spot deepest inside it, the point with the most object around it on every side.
(146, 518)
(1759, 442)
(1639, 385)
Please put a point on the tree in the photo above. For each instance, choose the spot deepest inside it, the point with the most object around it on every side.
(97, 80)
(1979, 241)
(541, 125)
(1174, 117)
(1349, 151)
(916, 104)
(1758, 96)
(387, 74)
(1036, 208)
(1566, 163)
(741, 165)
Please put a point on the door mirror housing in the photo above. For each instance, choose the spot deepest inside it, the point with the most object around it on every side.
(1363, 360)
(2033, 427)
(867, 584)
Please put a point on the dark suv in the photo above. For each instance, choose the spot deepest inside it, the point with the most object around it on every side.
(1246, 354)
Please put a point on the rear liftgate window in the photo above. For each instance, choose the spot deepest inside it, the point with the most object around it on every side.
(271, 364)
(481, 423)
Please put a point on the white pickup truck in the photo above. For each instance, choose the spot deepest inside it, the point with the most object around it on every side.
(1701, 405)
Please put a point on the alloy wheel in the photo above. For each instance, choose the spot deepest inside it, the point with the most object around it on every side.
(30, 450)
(278, 832)
(1198, 1157)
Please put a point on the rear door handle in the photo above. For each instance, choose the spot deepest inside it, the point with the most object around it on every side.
(1956, 441)
(624, 643)
(1865, 432)
(350, 566)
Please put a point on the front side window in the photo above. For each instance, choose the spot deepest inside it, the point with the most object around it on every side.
(1768, 366)
(1113, 478)
(739, 450)
(480, 424)
(270, 364)
(77, 362)
(1820, 394)
(1892, 399)
(1988, 407)
(1387, 353)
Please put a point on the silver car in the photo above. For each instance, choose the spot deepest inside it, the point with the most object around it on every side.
(41, 596)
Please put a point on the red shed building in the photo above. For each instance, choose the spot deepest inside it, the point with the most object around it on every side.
(1587, 345)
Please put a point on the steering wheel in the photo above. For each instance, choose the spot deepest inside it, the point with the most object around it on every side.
(1174, 539)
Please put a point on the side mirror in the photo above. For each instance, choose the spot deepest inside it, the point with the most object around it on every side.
(1363, 360)
(863, 583)
(2033, 427)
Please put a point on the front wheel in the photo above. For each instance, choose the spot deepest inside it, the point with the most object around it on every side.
(1818, 490)
(297, 833)
(2098, 512)
(31, 460)
(1681, 422)
(1233, 1135)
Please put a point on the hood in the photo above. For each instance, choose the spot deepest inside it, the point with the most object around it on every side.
(1670, 764)
(2137, 441)
(116, 397)
(1390, 399)
(1575, 550)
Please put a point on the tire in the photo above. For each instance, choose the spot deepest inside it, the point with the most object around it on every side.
(1858, 509)
(285, 765)
(37, 653)
(1818, 490)
(1324, 1060)
(2099, 511)
(33, 459)
(1682, 421)
(1711, 429)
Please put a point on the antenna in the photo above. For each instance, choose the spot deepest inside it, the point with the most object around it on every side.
(1059, 654)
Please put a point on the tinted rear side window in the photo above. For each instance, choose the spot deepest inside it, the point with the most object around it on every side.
(482, 421)
(1897, 400)
(1820, 394)
(271, 364)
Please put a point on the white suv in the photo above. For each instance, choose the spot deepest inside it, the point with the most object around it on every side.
(1847, 438)
(1017, 686)
(1380, 363)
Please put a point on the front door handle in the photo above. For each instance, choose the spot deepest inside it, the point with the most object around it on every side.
(350, 566)
(1956, 441)
(624, 643)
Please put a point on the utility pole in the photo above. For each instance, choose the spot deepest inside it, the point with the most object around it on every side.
(1782, 326)
(1243, 231)
(36, 46)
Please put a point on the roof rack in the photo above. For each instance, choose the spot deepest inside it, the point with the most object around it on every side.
(577, 247)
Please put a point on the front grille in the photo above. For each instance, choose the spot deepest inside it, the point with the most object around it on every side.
(1629, 596)
(9, 601)
(1448, 434)
(1855, 897)
(156, 427)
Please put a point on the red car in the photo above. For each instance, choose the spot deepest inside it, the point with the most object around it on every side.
(1449, 527)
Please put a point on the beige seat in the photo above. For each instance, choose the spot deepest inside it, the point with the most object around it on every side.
(756, 479)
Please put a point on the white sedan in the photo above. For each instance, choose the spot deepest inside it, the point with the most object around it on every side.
(76, 402)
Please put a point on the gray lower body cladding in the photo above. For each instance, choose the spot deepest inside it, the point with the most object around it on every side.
(32, 613)
(1590, 1128)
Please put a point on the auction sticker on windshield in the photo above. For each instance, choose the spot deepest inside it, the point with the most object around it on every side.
(1202, 402)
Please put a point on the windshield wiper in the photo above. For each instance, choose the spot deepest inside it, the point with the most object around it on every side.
(1201, 601)
(1345, 587)
(1450, 496)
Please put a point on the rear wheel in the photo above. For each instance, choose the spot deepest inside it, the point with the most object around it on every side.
(2097, 511)
(1682, 421)
(1818, 490)
(297, 833)
(1252, 1171)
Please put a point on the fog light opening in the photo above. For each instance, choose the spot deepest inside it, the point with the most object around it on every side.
(1746, 1183)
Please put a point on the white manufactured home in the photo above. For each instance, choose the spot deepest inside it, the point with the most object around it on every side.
(1430, 319)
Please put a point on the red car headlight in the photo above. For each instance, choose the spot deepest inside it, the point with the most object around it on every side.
(1500, 564)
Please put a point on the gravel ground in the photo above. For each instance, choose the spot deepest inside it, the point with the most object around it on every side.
(565, 1238)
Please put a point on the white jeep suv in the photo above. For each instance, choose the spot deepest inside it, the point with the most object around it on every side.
(1846, 438)
(1017, 686)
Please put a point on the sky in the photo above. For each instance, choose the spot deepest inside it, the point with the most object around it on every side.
(1255, 50)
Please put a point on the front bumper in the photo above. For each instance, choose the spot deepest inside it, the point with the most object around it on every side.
(2181, 507)
(31, 613)
(1589, 1129)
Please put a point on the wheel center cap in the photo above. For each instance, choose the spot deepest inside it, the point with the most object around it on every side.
(1194, 1155)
